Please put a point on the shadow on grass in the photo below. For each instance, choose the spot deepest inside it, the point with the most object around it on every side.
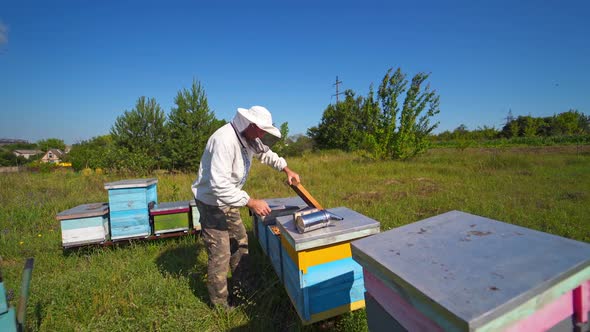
(265, 302)
(86, 250)
(182, 262)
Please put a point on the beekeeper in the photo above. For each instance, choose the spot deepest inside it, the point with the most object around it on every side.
(224, 168)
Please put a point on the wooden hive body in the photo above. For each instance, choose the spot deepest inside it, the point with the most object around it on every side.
(170, 217)
(84, 224)
(319, 274)
(129, 212)
(462, 272)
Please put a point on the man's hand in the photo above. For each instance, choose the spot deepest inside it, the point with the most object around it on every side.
(259, 206)
(292, 177)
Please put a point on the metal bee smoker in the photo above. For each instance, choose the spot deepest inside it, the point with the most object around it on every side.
(312, 219)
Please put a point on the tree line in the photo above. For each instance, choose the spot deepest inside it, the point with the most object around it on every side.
(393, 122)
(145, 138)
(571, 123)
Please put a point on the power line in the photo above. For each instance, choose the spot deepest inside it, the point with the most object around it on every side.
(337, 84)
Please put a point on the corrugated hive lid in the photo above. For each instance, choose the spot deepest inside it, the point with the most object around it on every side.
(84, 211)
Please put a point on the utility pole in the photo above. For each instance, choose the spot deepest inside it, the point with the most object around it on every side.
(337, 93)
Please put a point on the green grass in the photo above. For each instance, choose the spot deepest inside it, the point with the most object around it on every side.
(160, 285)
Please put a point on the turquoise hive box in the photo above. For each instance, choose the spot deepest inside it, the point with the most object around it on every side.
(7, 314)
(129, 202)
(13, 319)
(263, 227)
(84, 224)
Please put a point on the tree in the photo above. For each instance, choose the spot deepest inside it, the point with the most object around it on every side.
(369, 125)
(419, 106)
(528, 126)
(568, 123)
(390, 89)
(51, 143)
(8, 158)
(141, 133)
(338, 127)
(386, 132)
(298, 145)
(93, 153)
(281, 145)
(461, 131)
(189, 125)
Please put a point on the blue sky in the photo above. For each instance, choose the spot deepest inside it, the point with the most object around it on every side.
(69, 68)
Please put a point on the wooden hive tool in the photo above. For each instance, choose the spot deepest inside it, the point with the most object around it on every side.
(306, 196)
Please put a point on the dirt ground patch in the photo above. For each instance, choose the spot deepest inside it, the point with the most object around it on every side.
(426, 187)
(390, 182)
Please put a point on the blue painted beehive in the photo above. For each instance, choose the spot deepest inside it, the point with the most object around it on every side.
(129, 207)
(84, 224)
(321, 278)
(264, 226)
(319, 274)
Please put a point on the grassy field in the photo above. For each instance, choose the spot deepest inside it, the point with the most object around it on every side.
(160, 285)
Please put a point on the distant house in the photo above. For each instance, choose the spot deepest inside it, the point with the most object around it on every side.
(52, 156)
(26, 153)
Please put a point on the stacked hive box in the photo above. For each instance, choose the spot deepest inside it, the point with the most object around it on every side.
(7, 314)
(317, 269)
(128, 202)
(461, 272)
(170, 217)
(84, 224)
(266, 231)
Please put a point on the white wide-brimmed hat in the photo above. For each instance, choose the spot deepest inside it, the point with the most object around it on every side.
(261, 117)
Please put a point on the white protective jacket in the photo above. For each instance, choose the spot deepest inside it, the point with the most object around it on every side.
(225, 165)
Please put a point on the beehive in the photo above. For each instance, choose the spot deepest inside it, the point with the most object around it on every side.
(170, 217)
(128, 202)
(84, 224)
(263, 228)
(320, 276)
(462, 272)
